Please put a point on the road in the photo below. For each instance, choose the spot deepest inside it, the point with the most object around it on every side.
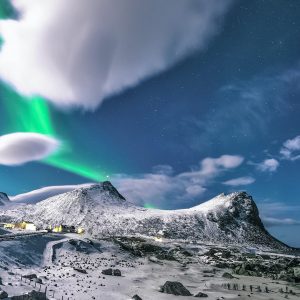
(13, 236)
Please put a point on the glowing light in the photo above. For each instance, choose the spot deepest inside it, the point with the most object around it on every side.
(31, 114)
(150, 206)
(73, 167)
(6, 9)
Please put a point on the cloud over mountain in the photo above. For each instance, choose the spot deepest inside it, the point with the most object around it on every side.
(78, 54)
(163, 188)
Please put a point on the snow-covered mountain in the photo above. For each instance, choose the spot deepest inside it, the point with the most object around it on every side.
(4, 199)
(103, 211)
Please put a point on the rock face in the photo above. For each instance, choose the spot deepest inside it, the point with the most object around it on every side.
(4, 199)
(3, 295)
(201, 295)
(227, 275)
(34, 295)
(175, 288)
(101, 210)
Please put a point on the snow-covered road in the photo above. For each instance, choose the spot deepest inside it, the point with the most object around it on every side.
(48, 252)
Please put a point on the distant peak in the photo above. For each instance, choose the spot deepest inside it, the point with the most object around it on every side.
(105, 186)
(3, 198)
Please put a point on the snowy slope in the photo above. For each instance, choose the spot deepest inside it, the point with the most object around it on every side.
(38, 195)
(102, 211)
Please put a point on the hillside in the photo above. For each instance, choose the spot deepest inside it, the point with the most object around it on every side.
(102, 211)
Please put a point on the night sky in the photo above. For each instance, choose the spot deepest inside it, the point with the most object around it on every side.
(222, 117)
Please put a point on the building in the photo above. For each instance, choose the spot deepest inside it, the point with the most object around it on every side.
(80, 230)
(64, 229)
(30, 226)
(9, 226)
(25, 225)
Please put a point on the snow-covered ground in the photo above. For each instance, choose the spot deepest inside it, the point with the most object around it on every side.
(193, 246)
(56, 261)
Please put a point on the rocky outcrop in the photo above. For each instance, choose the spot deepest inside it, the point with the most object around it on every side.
(4, 199)
(175, 288)
(34, 295)
(112, 272)
(3, 295)
(201, 295)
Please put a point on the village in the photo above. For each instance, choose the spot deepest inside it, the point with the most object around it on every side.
(30, 226)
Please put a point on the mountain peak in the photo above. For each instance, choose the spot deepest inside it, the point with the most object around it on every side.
(105, 186)
(3, 198)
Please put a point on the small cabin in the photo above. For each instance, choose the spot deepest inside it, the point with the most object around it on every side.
(25, 225)
(64, 229)
(9, 226)
(80, 230)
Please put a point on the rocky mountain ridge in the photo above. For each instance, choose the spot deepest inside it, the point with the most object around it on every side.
(226, 219)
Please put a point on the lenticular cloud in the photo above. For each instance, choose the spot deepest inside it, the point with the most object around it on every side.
(20, 148)
(76, 53)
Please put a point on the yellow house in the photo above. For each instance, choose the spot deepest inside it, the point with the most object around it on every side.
(25, 225)
(80, 230)
(57, 228)
(9, 226)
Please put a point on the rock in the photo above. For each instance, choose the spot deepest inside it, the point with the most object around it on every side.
(107, 272)
(201, 295)
(30, 276)
(39, 280)
(117, 272)
(175, 288)
(227, 275)
(3, 295)
(136, 297)
(112, 272)
(80, 270)
(34, 295)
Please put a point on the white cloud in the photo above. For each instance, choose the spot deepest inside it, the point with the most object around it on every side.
(290, 149)
(268, 165)
(268, 221)
(41, 194)
(167, 189)
(240, 181)
(20, 148)
(78, 53)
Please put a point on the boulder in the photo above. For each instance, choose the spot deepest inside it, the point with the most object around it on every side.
(107, 272)
(3, 295)
(117, 272)
(112, 272)
(136, 297)
(34, 295)
(201, 295)
(227, 275)
(80, 270)
(175, 288)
